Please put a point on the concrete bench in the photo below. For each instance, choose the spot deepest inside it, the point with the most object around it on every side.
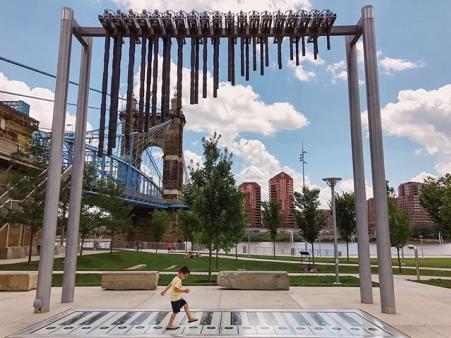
(18, 281)
(130, 280)
(254, 280)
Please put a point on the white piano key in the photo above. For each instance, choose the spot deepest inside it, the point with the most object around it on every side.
(192, 329)
(246, 330)
(155, 330)
(120, 330)
(282, 327)
(264, 330)
(216, 319)
(229, 330)
(210, 330)
(90, 323)
(244, 319)
(164, 322)
(226, 319)
(336, 326)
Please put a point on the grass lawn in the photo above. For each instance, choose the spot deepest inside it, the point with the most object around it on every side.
(121, 260)
(408, 262)
(444, 283)
(198, 280)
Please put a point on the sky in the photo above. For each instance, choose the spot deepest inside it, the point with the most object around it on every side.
(263, 121)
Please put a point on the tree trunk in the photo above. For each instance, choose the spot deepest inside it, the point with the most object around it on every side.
(156, 248)
(209, 260)
(313, 254)
(274, 248)
(347, 249)
(236, 252)
(62, 235)
(30, 246)
(399, 261)
(82, 242)
(111, 243)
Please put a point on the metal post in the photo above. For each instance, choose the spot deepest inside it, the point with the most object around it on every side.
(334, 218)
(76, 186)
(42, 301)
(421, 243)
(366, 291)
(417, 265)
(387, 292)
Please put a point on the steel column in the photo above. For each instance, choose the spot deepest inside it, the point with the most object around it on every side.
(387, 292)
(334, 220)
(361, 208)
(76, 186)
(42, 301)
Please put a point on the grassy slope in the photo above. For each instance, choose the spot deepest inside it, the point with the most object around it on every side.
(122, 260)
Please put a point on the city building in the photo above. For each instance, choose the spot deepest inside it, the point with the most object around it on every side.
(16, 128)
(252, 204)
(409, 200)
(371, 218)
(281, 189)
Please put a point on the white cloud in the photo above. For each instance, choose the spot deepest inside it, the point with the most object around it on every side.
(300, 72)
(421, 177)
(215, 5)
(338, 70)
(424, 116)
(39, 110)
(192, 156)
(391, 65)
(237, 109)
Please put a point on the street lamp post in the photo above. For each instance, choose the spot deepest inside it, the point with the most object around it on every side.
(414, 248)
(331, 182)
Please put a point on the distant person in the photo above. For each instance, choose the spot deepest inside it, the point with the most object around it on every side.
(177, 302)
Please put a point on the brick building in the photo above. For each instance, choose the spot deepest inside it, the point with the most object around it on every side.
(16, 128)
(281, 189)
(252, 204)
(409, 200)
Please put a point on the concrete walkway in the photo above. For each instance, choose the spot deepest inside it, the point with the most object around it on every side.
(423, 311)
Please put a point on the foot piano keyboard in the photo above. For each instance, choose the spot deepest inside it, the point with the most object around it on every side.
(213, 323)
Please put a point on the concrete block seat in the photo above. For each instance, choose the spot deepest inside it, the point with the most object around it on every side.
(254, 280)
(130, 280)
(18, 281)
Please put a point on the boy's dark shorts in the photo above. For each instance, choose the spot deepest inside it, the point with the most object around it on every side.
(177, 305)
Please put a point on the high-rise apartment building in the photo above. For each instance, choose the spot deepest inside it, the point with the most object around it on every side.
(281, 189)
(409, 200)
(252, 204)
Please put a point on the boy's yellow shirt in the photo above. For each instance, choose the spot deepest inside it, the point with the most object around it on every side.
(176, 282)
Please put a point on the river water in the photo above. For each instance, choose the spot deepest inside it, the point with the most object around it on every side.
(327, 249)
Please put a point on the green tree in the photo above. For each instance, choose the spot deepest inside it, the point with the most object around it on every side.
(159, 223)
(188, 224)
(346, 219)
(398, 221)
(27, 183)
(309, 218)
(435, 197)
(272, 219)
(117, 213)
(213, 197)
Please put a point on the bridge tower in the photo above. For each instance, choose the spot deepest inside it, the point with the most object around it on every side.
(171, 144)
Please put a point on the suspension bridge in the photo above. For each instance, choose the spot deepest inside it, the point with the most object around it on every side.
(137, 164)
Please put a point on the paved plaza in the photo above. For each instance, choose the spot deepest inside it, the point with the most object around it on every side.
(423, 310)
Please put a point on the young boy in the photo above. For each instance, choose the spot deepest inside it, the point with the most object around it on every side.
(177, 302)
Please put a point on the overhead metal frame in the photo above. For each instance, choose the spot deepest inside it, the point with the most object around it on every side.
(253, 28)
